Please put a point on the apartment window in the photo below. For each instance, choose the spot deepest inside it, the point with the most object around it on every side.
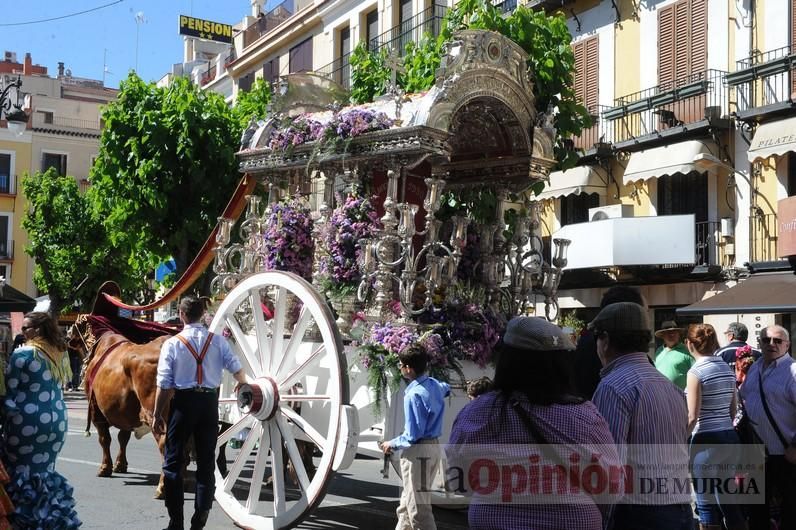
(575, 208)
(682, 40)
(372, 28)
(5, 173)
(54, 160)
(791, 174)
(405, 30)
(342, 68)
(6, 245)
(680, 194)
(271, 71)
(301, 57)
(245, 83)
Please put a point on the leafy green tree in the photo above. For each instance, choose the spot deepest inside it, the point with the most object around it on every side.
(166, 169)
(67, 244)
(370, 75)
(253, 103)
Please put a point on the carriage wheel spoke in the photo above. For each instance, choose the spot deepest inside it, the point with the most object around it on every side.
(249, 355)
(293, 377)
(289, 357)
(243, 456)
(277, 329)
(260, 328)
(259, 470)
(237, 427)
(301, 423)
(277, 468)
(305, 397)
(293, 452)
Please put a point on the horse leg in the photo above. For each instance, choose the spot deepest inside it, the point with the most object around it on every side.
(221, 461)
(104, 437)
(121, 459)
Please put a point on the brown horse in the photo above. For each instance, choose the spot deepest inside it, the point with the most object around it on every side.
(120, 387)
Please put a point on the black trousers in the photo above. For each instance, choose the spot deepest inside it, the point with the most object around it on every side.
(192, 413)
(780, 483)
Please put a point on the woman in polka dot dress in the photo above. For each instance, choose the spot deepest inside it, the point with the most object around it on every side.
(35, 428)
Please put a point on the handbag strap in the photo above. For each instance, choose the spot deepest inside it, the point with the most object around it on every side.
(536, 432)
(768, 412)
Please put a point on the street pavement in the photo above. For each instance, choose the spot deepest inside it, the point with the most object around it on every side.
(356, 498)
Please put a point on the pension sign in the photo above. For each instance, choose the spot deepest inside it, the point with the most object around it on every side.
(205, 29)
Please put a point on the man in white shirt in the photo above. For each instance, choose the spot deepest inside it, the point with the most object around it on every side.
(189, 374)
(771, 384)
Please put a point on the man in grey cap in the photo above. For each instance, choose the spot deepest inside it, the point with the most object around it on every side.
(737, 333)
(647, 416)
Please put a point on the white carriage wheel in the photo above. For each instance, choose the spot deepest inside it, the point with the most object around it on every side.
(276, 356)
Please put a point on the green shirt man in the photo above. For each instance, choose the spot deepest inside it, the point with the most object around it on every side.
(672, 358)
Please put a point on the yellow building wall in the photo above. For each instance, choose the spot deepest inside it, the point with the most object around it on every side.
(627, 53)
(21, 267)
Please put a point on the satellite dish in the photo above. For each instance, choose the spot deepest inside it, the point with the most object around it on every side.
(68, 72)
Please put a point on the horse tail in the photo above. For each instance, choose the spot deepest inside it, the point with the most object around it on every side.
(87, 433)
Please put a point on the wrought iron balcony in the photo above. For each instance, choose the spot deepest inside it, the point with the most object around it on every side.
(666, 109)
(8, 184)
(763, 232)
(6, 249)
(271, 20)
(764, 82)
(427, 22)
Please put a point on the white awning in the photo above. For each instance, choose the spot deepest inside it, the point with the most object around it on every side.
(666, 160)
(581, 179)
(775, 138)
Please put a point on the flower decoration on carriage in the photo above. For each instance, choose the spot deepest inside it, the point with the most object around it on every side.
(353, 221)
(380, 349)
(287, 241)
(474, 329)
(292, 132)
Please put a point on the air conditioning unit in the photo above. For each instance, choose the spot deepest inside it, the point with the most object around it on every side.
(11, 57)
(610, 212)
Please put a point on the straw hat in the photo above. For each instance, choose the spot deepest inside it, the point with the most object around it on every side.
(669, 325)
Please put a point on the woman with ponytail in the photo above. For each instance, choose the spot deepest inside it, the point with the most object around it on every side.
(712, 403)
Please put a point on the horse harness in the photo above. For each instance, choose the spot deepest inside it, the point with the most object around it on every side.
(94, 369)
(199, 357)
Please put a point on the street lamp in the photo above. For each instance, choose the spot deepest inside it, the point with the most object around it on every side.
(17, 119)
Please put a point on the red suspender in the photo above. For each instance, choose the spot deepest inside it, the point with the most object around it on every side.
(198, 356)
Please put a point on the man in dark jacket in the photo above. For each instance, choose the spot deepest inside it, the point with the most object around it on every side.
(737, 333)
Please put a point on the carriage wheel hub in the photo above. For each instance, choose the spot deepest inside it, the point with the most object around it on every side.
(260, 398)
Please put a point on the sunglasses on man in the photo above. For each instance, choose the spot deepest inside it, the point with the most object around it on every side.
(769, 340)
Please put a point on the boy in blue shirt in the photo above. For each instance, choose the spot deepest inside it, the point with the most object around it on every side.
(424, 403)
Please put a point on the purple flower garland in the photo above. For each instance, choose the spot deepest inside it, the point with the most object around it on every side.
(288, 243)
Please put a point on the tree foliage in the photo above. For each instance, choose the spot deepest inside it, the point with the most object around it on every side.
(67, 244)
(166, 169)
(252, 104)
(370, 75)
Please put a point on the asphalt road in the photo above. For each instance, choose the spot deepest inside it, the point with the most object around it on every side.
(357, 497)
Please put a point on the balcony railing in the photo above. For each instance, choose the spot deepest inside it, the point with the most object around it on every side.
(429, 21)
(54, 122)
(764, 79)
(6, 249)
(411, 30)
(653, 111)
(709, 251)
(600, 131)
(8, 184)
(763, 237)
(338, 71)
(269, 21)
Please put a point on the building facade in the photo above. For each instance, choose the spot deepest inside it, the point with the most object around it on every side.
(679, 178)
(63, 132)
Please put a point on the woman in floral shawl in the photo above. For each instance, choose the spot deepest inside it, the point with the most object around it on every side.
(35, 422)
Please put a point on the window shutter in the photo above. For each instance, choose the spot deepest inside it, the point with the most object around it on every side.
(699, 36)
(666, 45)
(682, 48)
(592, 77)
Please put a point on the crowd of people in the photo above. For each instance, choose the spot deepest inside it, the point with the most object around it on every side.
(693, 412)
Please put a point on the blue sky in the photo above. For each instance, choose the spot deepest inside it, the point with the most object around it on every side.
(80, 41)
